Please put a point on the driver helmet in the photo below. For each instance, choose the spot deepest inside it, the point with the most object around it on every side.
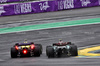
(60, 41)
(25, 41)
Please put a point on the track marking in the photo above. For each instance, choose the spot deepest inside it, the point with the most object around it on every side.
(87, 57)
(85, 51)
(50, 25)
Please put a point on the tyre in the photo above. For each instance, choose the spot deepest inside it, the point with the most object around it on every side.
(74, 51)
(47, 50)
(50, 51)
(13, 52)
(37, 51)
(40, 47)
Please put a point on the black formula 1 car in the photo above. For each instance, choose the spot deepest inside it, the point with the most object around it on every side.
(58, 50)
(26, 49)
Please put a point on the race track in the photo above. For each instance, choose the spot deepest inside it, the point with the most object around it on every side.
(80, 35)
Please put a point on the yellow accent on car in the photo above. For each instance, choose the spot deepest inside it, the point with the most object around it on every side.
(27, 46)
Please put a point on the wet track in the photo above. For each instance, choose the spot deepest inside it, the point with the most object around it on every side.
(80, 35)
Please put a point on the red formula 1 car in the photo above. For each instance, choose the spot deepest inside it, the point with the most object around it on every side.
(26, 49)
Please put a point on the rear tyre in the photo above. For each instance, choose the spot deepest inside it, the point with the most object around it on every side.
(47, 50)
(37, 51)
(14, 53)
(74, 51)
(40, 47)
(50, 51)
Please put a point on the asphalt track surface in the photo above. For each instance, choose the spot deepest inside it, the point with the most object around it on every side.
(80, 35)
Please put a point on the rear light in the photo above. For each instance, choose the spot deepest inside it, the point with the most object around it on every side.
(32, 46)
(24, 51)
(16, 47)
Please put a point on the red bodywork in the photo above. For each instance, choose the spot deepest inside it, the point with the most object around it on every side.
(16, 47)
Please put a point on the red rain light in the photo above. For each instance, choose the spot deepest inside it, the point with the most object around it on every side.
(16, 47)
(25, 51)
(32, 46)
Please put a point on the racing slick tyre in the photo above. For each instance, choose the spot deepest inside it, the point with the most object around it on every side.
(37, 51)
(14, 53)
(40, 47)
(50, 51)
(74, 51)
(47, 50)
